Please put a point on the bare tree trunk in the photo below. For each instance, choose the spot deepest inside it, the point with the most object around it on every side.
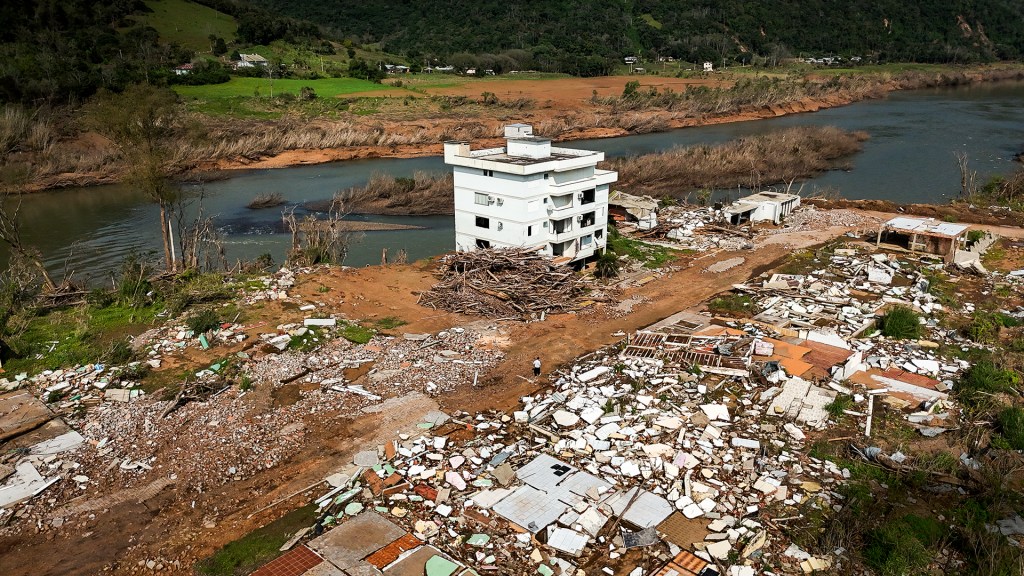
(165, 233)
(968, 178)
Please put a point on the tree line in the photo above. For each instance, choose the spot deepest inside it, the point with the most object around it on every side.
(570, 35)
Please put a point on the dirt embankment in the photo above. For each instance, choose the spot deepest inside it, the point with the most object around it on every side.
(563, 109)
(954, 212)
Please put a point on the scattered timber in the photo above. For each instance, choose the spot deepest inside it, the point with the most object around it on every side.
(504, 282)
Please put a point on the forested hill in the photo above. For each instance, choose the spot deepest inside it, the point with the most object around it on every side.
(565, 32)
(60, 51)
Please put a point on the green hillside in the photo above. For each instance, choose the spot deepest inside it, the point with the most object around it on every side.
(565, 35)
(187, 23)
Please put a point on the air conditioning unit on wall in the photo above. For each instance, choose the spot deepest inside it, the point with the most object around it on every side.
(501, 201)
(490, 199)
(500, 226)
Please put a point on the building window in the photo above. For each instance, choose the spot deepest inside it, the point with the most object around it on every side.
(482, 222)
(563, 201)
(482, 243)
(529, 230)
(588, 196)
(598, 233)
(560, 226)
(545, 175)
(488, 172)
(587, 220)
(480, 199)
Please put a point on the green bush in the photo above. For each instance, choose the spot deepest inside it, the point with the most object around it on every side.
(836, 407)
(732, 304)
(1011, 424)
(607, 265)
(901, 323)
(985, 326)
(897, 548)
(203, 321)
(985, 376)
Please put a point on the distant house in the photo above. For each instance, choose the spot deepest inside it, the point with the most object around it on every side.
(250, 61)
(630, 59)
(396, 69)
(470, 71)
(709, 67)
(183, 70)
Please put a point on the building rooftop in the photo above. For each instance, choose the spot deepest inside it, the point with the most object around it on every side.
(749, 203)
(500, 155)
(926, 226)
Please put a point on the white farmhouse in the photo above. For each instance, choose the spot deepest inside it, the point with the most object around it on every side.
(530, 194)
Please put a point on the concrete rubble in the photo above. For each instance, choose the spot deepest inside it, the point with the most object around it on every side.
(679, 450)
(685, 440)
(119, 429)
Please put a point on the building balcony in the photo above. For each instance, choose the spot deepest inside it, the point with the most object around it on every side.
(562, 236)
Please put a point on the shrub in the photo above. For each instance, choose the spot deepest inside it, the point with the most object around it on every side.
(134, 286)
(836, 407)
(203, 321)
(607, 265)
(894, 549)
(732, 304)
(985, 376)
(901, 323)
(985, 326)
(120, 352)
(1011, 424)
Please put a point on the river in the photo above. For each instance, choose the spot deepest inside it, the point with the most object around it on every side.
(910, 157)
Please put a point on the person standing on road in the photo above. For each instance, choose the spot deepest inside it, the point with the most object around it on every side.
(536, 366)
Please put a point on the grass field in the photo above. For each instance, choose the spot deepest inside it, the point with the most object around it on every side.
(236, 87)
(187, 23)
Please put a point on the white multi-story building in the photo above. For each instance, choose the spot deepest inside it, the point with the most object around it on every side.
(528, 194)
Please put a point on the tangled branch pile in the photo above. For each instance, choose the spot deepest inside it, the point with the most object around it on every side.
(504, 282)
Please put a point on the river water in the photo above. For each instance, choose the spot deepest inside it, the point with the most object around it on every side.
(910, 157)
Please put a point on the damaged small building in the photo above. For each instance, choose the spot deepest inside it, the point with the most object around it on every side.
(642, 210)
(926, 235)
(762, 207)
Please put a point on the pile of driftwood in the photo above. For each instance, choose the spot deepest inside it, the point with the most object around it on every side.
(504, 283)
